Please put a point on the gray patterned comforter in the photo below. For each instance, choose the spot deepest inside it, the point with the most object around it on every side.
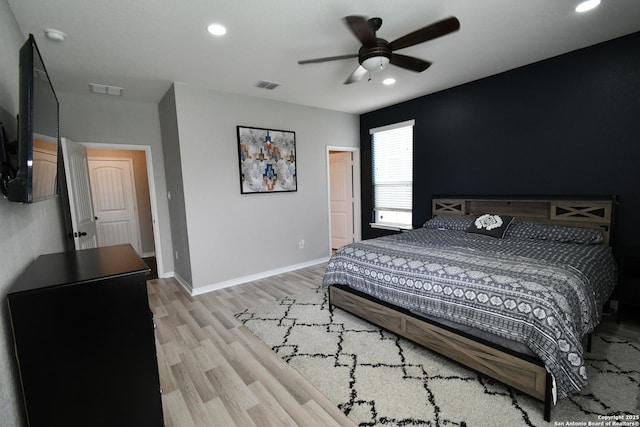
(546, 295)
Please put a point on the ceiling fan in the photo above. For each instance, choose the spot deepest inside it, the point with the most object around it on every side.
(376, 53)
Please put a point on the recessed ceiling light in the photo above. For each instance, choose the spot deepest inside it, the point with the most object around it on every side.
(388, 81)
(217, 29)
(587, 5)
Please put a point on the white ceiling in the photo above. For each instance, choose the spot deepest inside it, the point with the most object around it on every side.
(144, 45)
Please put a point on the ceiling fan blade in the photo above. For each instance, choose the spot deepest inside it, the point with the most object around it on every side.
(361, 29)
(357, 74)
(427, 33)
(410, 63)
(329, 58)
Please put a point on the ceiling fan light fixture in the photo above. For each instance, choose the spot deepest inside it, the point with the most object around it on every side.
(376, 53)
(375, 63)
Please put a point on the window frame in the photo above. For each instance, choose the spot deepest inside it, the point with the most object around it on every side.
(399, 222)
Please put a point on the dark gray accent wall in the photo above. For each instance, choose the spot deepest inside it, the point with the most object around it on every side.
(569, 125)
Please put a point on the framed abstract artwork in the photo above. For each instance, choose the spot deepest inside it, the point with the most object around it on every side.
(267, 160)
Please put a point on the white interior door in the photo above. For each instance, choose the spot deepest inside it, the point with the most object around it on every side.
(114, 202)
(341, 198)
(76, 171)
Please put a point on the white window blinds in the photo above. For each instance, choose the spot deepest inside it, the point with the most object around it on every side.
(392, 153)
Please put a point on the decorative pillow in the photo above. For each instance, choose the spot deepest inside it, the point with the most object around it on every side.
(491, 225)
(449, 222)
(555, 233)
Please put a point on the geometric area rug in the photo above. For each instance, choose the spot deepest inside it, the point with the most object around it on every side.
(379, 379)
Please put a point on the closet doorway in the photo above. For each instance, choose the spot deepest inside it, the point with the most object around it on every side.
(343, 171)
(123, 193)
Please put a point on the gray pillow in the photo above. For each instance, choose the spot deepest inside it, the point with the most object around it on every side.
(555, 233)
(449, 222)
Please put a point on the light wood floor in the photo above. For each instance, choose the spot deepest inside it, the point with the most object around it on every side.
(214, 372)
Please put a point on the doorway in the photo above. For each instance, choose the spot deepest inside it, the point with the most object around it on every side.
(143, 190)
(343, 172)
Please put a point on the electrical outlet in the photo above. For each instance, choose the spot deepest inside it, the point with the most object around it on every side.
(301, 244)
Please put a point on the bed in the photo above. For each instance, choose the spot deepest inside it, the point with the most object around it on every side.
(508, 287)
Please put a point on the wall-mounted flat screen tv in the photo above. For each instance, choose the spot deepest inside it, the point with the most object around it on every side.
(34, 158)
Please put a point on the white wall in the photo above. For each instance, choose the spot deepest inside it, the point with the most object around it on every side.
(173, 173)
(26, 231)
(108, 119)
(233, 236)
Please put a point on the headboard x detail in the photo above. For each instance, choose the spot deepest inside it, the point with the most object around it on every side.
(596, 213)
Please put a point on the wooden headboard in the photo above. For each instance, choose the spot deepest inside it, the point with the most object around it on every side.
(597, 213)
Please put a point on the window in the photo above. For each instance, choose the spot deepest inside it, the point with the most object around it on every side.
(392, 154)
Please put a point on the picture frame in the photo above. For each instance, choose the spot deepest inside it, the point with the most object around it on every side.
(267, 160)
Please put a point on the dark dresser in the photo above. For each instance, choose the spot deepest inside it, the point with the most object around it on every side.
(84, 340)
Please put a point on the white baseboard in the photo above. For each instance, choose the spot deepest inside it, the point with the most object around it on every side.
(148, 254)
(221, 285)
(166, 274)
(187, 287)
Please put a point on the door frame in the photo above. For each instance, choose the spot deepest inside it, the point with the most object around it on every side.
(152, 192)
(357, 221)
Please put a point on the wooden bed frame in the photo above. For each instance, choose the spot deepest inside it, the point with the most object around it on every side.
(520, 371)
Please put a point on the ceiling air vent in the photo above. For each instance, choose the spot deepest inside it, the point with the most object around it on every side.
(105, 89)
(263, 84)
